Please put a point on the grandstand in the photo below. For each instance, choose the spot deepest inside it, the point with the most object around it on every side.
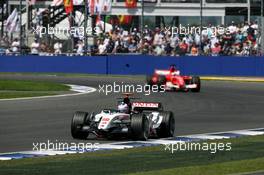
(156, 13)
(224, 11)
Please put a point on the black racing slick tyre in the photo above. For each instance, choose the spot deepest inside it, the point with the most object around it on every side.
(78, 120)
(149, 80)
(161, 80)
(139, 127)
(167, 125)
(197, 81)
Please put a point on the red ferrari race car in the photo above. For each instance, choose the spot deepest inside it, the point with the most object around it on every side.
(171, 80)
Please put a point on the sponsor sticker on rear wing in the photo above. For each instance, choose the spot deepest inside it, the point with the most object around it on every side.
(145, 105)
(162, 72)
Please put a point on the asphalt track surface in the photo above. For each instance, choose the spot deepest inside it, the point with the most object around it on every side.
(220, 106)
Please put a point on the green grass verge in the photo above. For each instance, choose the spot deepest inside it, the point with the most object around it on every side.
(8, 95)
(142, 77)
(76, 75)
(247, 155)
(19, 88)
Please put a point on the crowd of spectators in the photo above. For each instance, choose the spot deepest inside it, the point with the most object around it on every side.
(236, 40)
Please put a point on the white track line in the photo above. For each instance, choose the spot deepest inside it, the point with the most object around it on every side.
(220, 132)
(118, 145)
(76, 88)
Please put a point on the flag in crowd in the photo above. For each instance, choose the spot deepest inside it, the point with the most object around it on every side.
(91, 6)
(131, 3)
(60, 2)
(3, 10)
(57, 2)
(107, 6)
(98, 21)
(32, 2)
(68, 5)
(94, 6)
(99, 6)
(77, 2)
(12, 22)
(125, 19)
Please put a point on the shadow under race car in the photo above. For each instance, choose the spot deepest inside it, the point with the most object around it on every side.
(144, 120)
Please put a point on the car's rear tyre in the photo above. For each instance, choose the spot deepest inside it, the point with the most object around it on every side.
(149, 80)
(139, 127)
(78, 120)
(197, 81)
(161, 82)
(167, 125)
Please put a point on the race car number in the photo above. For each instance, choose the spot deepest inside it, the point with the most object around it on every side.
(105, 119)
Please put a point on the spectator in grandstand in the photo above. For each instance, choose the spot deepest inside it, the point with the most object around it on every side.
(168, 49)
(158, 37)
(118, 46)
(15, 46)
(216, 49)
(43, 49)
(183, 48)
(194, 50)
(94, 48)
(232, 28)
(146, 48)
(110, 45)
(101, 48)
(246, 49)
(80, 48)
(239, 37)
(158, 51)
(132, 47)
(57, 48)
(4, 43)
(35, 20)
(255, 27)
(226, 48)
(244, 28)
(8, 52)
(35, 47)
(239, 51)
(206, 48)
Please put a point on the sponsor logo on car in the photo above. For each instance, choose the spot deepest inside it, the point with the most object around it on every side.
(145, 105)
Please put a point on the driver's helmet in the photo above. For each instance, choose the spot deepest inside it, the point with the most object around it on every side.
(123, 107)
(172, 68)
(174, 71)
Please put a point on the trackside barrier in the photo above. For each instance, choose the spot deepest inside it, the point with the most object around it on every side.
(134, 65)
(53, 64)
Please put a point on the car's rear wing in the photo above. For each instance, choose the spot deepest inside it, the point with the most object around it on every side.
(162, 72)
(141, 106)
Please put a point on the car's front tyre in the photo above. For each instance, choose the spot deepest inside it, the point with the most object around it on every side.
(167, 126)
(78, 120)
(197, 81)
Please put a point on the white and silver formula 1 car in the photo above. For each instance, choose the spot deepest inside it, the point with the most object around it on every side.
(136, 120)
